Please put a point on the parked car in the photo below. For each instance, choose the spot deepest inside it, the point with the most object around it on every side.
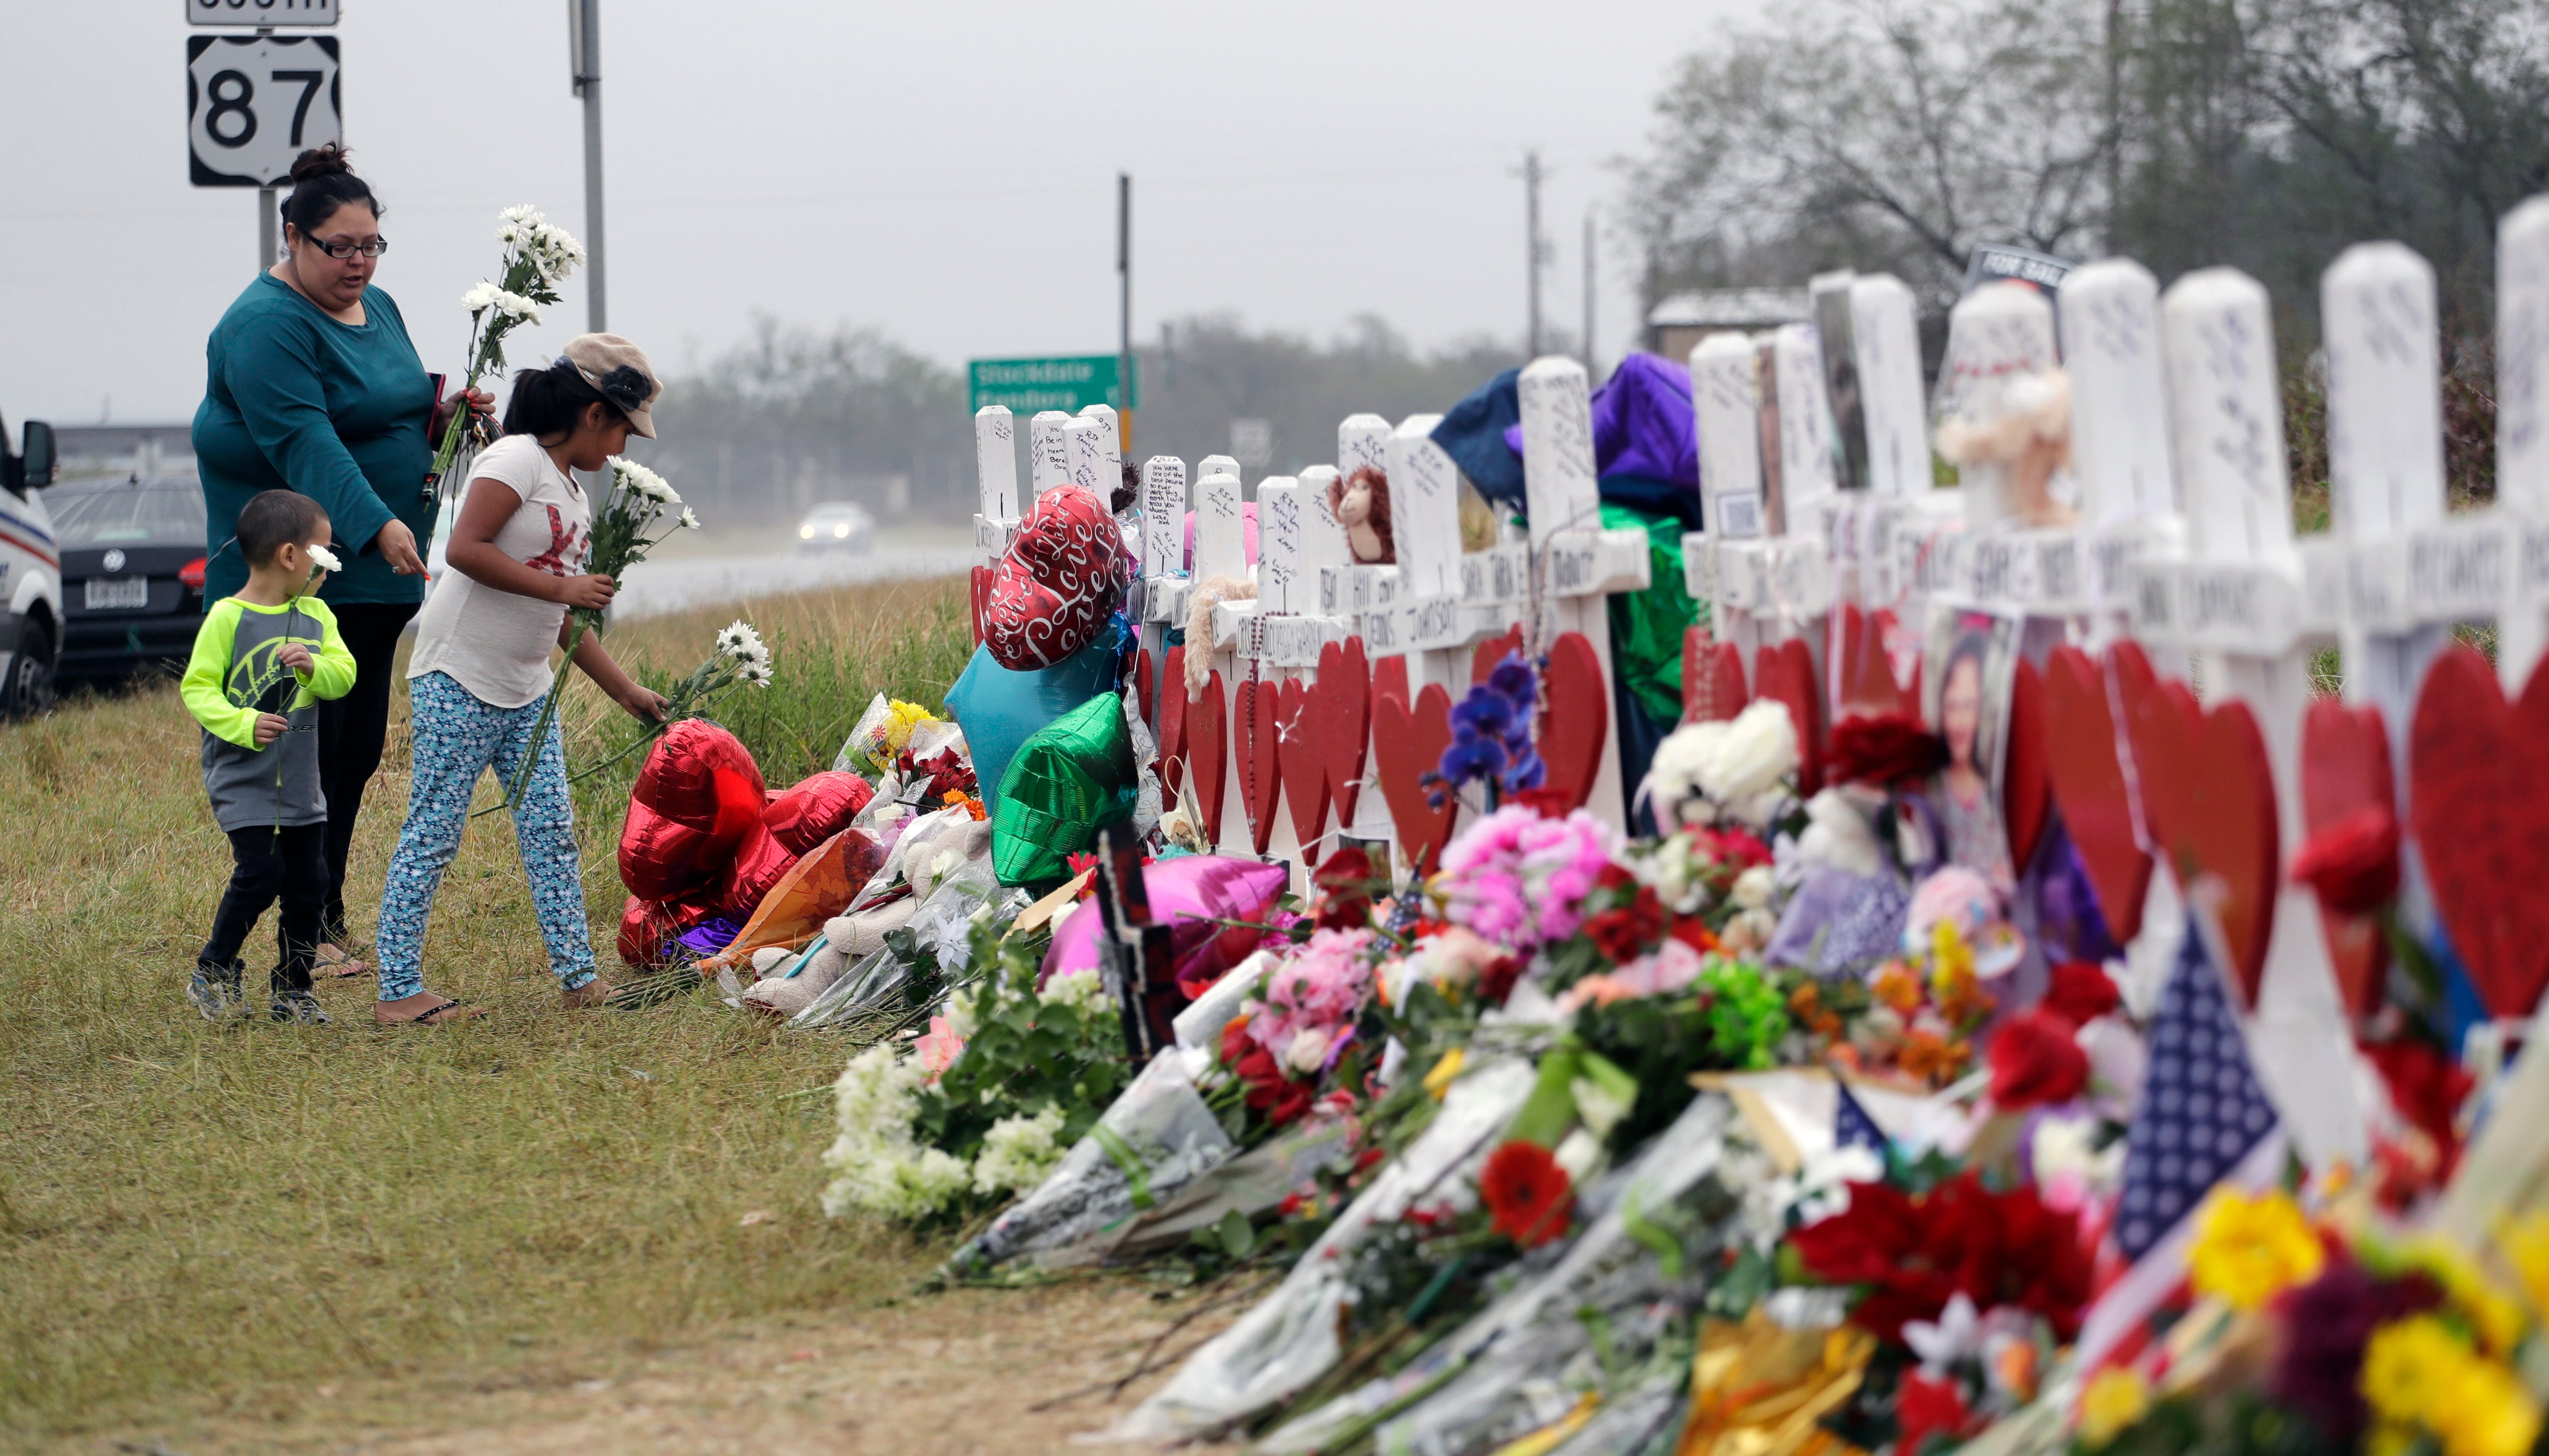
(132, 573)
(837, 525)
(31, 578)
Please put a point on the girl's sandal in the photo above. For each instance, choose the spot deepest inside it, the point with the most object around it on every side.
(448, 1011)
(332, 961)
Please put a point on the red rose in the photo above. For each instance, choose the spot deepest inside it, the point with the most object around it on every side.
(2036, 1059)
(1924, 1407)
(1917, 1254)
(1547, 803)
(1496, 980)
(1626, 932)
(1883, 750)
(2352, 865)
(2427, 1088)
(1732, 847)
(2081, 993)
(1529, 1197)
(1343, 881)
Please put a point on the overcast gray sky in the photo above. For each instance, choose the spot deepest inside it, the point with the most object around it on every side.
(943, 171)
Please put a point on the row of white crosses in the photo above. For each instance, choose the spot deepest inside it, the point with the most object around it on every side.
(2186, 539)
(1429, 609)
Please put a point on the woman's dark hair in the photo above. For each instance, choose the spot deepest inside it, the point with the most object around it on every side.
(272, 519)
(550, 401)
(323, 180)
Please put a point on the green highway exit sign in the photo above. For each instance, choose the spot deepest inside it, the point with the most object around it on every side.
(1026, 386)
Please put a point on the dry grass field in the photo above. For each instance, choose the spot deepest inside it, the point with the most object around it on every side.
(526, 1234)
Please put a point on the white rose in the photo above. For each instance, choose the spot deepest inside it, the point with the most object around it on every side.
(1307, 1051)
(1838, 835)
(1752, 887)
(1757, 751)
(1682, 758)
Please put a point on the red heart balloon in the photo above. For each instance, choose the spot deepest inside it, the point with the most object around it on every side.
(1173, 718)
(2026, 779)
(1786, 672)
(1208, 755)
(2345, 769)
(2089, 787)
(1577, 719)
(1712, 679)
(2478, 788)
(1341, 722)
(2208, 797)
(1494, 650)
(982, 598)
(1061, 576)
(1407, 744)
(1304, 764)
(1260, 774)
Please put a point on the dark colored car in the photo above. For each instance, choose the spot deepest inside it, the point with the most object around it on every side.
(133, 574)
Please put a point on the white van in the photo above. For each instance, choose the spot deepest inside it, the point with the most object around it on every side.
(30, 576)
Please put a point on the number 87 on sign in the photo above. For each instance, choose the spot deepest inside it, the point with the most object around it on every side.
(253, 103)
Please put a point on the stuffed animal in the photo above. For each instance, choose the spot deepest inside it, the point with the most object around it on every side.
(1361, 504)
(2027, 438)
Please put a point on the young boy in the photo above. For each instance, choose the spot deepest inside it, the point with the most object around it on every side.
(262, 661)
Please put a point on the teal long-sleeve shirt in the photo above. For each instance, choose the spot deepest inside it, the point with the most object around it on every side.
(338, 412)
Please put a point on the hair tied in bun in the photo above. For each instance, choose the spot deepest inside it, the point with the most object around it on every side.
(327, 160)
(323, 181)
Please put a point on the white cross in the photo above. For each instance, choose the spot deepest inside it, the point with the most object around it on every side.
(1047, 455)
(2522, 436)
(995, 473)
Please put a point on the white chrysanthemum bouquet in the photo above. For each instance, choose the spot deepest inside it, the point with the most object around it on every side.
(629, 519)
(538, 256)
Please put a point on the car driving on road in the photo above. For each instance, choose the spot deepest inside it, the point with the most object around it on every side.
(132, 570)
(31, 582)
(837, 525)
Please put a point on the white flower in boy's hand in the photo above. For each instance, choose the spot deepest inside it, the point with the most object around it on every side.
(324, 559)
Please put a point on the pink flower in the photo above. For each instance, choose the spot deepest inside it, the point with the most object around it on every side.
(1519, 879)
(1322, 987)
(939, 1048)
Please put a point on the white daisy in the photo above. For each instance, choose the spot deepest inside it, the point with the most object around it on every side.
(689, 523)
(756, 674)
(478, 299)
(324, 559)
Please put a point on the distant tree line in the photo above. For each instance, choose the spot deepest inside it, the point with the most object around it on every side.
(791, 417)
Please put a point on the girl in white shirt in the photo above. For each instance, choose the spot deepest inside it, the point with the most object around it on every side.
(481, 665)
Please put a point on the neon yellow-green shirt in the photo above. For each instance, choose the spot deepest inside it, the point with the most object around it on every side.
(233, 677)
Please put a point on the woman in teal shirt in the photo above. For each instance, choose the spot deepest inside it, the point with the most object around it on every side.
(313, 388)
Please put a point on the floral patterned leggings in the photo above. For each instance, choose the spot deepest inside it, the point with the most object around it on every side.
(457, 738)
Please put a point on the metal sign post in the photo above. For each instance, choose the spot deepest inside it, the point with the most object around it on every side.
(584, 55)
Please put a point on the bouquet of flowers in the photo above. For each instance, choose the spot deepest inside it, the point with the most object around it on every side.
(624, 529)
(538, 256)
(738, 658)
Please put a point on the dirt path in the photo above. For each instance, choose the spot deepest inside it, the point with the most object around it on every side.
(960, 1372)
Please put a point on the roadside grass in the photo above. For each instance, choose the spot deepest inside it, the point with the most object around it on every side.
(212, 1219)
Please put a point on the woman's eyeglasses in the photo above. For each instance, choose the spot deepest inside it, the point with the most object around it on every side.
(371, 249)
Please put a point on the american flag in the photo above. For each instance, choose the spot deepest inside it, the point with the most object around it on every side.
(1852, 1125)
(2202, 1109)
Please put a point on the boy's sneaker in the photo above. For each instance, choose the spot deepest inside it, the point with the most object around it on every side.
(297, 1006)
(215, 990)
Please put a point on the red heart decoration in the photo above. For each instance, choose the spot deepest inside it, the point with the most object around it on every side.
(1144, 686)
(982, 598)
(1389, 678)
(1208, 755)
(1341, 722)
(1304, 766)
(1493, 652)
(1866, 677)
(2208, 797)
(1260, 774)
(1173, 717)
(2478, 791)
(2345, 768)
(1406, 746)
(1579, 717)
(2026, 779)
(1786, 672)
(2089, 787)
(1712, 679)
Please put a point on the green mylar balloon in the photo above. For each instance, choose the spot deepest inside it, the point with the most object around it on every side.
(1075, 774)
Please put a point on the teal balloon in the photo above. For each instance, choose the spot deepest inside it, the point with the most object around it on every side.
(1000, 709)
(1074, 775)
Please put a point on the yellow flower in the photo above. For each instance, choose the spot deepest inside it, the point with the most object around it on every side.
(1949, 956)
(902, 718)
(2250, 1250)
(1439, 1081)
(2494, 1314)
(2525, 1242)
(2414, 1368)
(2487, 1413)
(2117, 1399)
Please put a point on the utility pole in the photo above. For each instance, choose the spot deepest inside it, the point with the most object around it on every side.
(1124, 309)
(583, 45)
(1537, 253)
(1590, 371)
